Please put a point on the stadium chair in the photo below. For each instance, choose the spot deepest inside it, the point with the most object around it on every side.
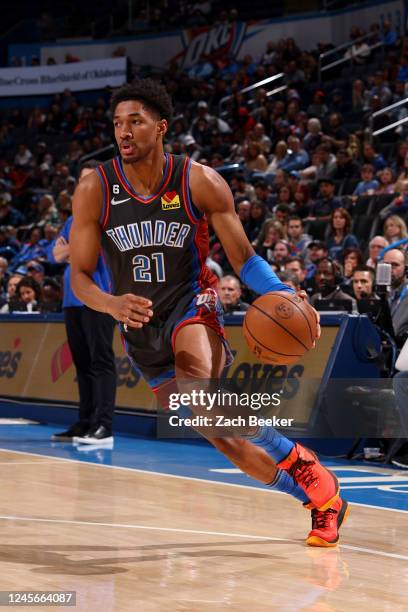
(362, 205)
(362, 225)
(379, 202)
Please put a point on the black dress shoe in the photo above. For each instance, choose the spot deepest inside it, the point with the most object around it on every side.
(70, 434)
(99, 435)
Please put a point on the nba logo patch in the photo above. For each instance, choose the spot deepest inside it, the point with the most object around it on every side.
(170, 200)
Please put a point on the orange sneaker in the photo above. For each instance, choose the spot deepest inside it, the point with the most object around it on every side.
(320, 485)
(326, 524)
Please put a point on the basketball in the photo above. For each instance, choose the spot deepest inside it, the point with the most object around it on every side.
(280, 327)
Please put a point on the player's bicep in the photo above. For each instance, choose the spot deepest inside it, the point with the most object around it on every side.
(215, 199)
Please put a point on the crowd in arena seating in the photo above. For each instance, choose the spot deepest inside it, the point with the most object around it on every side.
(316, 195)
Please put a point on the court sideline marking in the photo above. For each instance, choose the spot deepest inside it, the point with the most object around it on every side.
(370, 551)
(150, 472)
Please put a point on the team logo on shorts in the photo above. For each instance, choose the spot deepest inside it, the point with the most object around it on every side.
(284, 311)
(170, 200)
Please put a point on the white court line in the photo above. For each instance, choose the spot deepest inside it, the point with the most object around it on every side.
(228, 534)
(215, 482)
(28, 463)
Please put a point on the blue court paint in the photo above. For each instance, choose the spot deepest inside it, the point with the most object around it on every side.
(363, 484)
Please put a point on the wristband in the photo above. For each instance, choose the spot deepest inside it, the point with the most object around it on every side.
(257, 274)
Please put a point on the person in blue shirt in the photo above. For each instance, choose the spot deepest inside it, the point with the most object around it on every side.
(340, 237)
(368, 183)
(90, 337)
(390, 37)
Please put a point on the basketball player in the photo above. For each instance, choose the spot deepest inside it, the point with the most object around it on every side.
(148, 212)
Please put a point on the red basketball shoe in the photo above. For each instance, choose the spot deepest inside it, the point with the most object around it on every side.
(326, 524)
(320, 485)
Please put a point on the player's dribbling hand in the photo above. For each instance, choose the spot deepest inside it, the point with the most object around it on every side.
(132, 310)
(303, 295)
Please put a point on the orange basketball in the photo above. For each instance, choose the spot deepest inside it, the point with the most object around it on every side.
(280, 327)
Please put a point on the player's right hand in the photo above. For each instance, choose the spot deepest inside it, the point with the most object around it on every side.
(132, 310)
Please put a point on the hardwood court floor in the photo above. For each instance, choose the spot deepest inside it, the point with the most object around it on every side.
(128, 541)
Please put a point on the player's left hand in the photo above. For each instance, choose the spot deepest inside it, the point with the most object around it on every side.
(303, 295)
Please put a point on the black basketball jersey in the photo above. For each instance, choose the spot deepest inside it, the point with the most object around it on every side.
(154, 246)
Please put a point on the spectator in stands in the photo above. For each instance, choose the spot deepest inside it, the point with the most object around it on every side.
(9, 247)
(36, 271)
(30, 250)
(399, 293)
(298, 239)
(359, 52)
(52, 294)
(289, 279)
(261, 138)
(229, 292)
(259, 213)
(360, 97)
(285, 197)
(400, 164)
(3, 280)
(12, 283)
(352, 258)
(314, 134)
(380, 89)
(328, 277)
(8, 214)
(395, 229)
(263, 193)
(368, 183)
(403, 70)
(297, 267)
(324, 205)
(318, 108)
(340, 237)
(363, 280)
(376, 245)
(279, 158)
(281, 252)
(390, 37)
(399, 205)
(244, 211)
(370, 156)
(316, 250)
(271, 232)
(241, 189)
(336, 135)
(386, 181)
(297, 157)
(345, 167)
(24, 157)
(29, 292)
(254, 159)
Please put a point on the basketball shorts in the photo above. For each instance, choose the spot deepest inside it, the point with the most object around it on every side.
(151, 348)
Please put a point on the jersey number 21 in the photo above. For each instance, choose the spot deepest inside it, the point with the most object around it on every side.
(142, 268)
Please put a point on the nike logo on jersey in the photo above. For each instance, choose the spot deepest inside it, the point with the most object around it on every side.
(114, 202)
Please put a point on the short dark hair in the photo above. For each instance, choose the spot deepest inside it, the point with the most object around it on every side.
(299, 260)
(365, 269)
(152, 93)
(287, 276)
